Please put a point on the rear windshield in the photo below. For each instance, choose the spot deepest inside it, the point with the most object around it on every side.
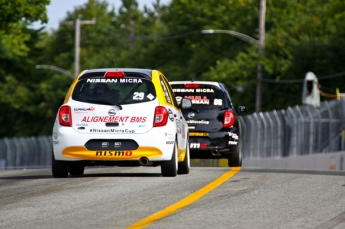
(204, 97)
(114, 91)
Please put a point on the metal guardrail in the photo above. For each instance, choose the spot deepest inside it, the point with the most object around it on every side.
(28, 152)
(295, 131)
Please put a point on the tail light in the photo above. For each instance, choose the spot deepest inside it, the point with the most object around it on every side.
(229, 119)
(161, 116)
(65, 117)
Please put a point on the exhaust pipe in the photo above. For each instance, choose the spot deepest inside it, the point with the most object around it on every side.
(144, 161)
(216, 153)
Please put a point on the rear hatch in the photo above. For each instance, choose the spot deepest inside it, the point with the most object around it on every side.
(208, 105)
(103, 106)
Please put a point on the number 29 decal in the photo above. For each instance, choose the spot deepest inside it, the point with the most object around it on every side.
(138, 95)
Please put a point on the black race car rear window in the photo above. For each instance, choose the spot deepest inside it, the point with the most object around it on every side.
(117, 91)
(203, 96)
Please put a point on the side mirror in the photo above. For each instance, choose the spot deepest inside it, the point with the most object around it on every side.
(241, 110)
(186, 103)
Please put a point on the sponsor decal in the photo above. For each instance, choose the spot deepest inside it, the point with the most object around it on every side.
(130, 80)
(150, 96)
(55, 135)
(191, 115)
(124, 131)
(194, 145)
(123, 80)
(171, 115)
(198, 99)
(198, 134)
(233, 135)
(101, 80)
(114, 153)
(133, 119)
(169, 142)
(81, 124)
(179, 130)
(183, 90)
(204, 122)
(169, 135)
(111, 112)
(178, 99)
(83, 109)
(198, 90)
(205, 90)
(197, 145)
(233, 143)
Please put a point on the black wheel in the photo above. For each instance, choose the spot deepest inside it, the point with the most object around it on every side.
(59, 168)
(183, 167)
(169, 168)
(235, 158)
(76, 170)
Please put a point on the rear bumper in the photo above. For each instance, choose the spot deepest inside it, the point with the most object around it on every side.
(213, 145)
(69, 145)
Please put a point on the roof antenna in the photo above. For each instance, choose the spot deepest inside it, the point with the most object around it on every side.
(193, 75)
(115, 63)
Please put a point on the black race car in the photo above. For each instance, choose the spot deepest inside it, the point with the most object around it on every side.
(214, 126)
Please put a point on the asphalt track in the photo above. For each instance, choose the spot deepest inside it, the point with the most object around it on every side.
(208, 197)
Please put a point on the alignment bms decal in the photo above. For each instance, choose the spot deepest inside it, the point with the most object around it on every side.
(127, 119)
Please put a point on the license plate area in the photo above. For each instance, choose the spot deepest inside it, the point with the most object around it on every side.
(111, 144)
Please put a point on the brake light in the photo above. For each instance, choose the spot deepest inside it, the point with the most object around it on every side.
(114, 75)
(229, 119)
(65, 117)
(161, 116)
(191, 85)
(203, 145)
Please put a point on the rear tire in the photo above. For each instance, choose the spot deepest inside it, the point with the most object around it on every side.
(76, 170)
(183, 167)
(235, 159)
(59, 168)
(169, 168)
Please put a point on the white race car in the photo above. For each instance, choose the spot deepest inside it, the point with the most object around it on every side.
(122, 117)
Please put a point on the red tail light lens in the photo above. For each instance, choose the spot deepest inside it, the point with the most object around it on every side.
(65, 117)
(191, 85)
(229, 119)
(161, 116)
(203, 145)
(114, 75)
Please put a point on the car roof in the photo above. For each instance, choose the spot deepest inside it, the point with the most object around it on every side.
(217, 84)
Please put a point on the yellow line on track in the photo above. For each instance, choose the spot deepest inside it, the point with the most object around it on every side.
(186, 201)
